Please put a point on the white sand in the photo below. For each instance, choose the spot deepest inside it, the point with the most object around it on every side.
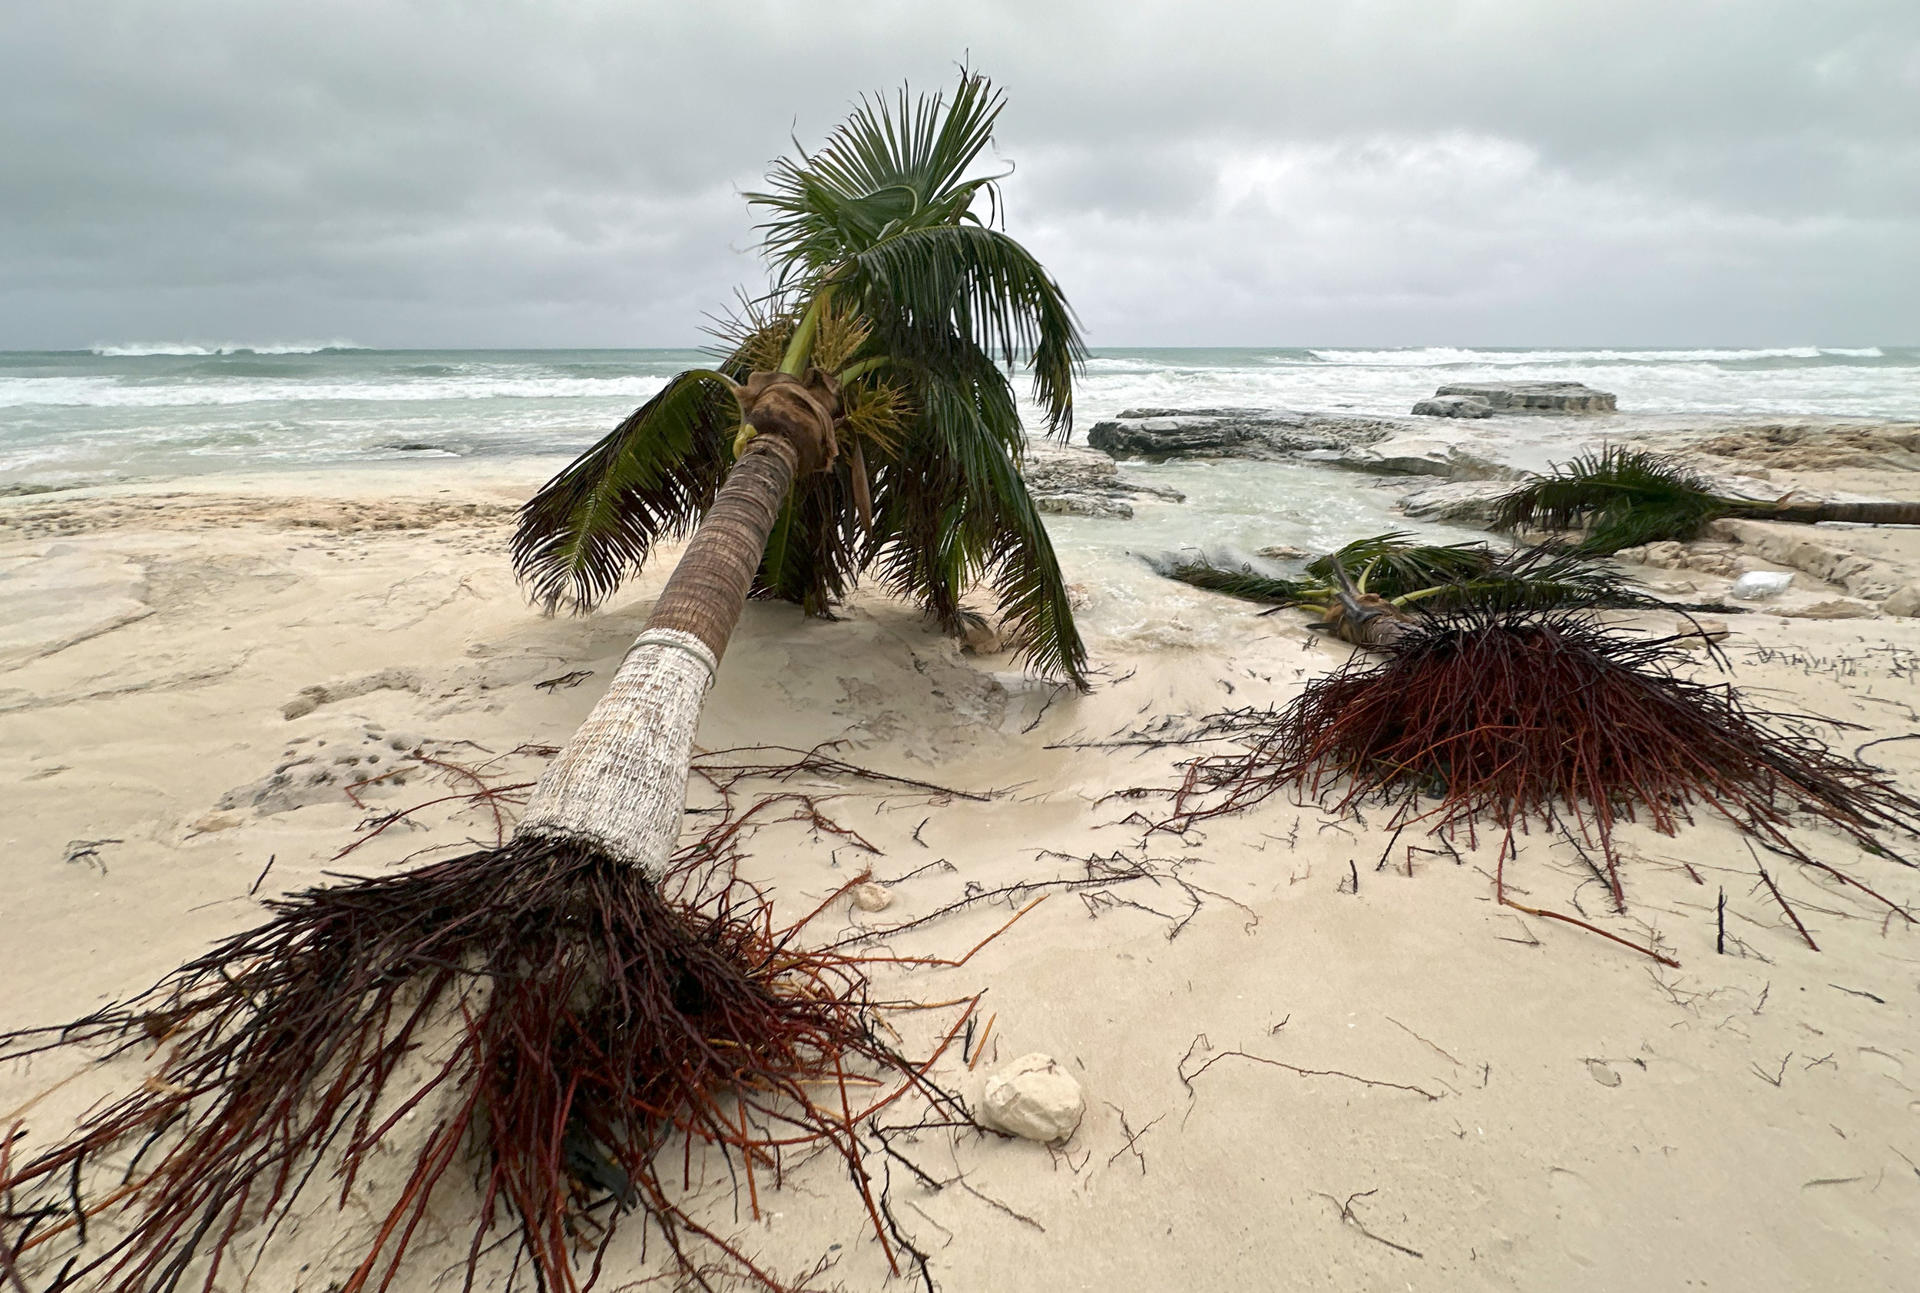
(1747, 1121)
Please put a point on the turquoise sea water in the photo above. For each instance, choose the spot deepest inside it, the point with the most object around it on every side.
(144, 412)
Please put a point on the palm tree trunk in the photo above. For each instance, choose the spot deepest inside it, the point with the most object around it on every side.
(621, 782)
(1812, 513)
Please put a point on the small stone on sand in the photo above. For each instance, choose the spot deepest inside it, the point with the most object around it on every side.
(872, 897)
(1701, 631)
(1033, 1098)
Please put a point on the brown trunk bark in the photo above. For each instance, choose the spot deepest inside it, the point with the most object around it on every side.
(708, 589)
(1810, 513)
(620, 784)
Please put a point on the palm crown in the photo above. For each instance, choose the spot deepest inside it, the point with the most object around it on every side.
(887, 276)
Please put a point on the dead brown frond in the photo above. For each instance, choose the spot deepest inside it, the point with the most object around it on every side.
(753, 334)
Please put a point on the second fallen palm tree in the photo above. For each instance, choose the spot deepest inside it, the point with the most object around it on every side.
(1624, 497)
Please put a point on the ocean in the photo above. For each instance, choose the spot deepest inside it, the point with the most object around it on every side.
(144, 412)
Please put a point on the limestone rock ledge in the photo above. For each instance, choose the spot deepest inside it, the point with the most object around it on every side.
(1065, 481)
(1264, 434)
(1516, 397)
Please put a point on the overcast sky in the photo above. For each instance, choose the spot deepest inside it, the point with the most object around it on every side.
(1341, 172)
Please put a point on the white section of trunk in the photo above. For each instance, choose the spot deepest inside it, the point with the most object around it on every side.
(621, 782)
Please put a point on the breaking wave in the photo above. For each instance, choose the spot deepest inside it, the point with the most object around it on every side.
(1447, 356)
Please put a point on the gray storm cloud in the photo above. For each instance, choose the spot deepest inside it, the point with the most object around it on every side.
(411, 173)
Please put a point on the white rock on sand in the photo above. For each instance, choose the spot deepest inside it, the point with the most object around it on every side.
(1033, 1098)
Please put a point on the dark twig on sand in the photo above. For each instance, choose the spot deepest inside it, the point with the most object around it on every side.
(1792, 915)
(1187, 1077)
(1347, 1215)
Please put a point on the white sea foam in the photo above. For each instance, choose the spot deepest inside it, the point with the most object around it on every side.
(114, 393)
(139, 349)
(1448, 356)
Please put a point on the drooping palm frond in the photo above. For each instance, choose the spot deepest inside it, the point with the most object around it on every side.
(1620, 497)
(1036, 612)
(812, 556)
(946, 290)
(1392, 564)
(650, 479)
(1432, 577)
(1244, 582)
(952, 510)
(1541, 579)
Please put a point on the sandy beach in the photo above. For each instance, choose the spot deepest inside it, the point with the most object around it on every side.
(1312, 1056)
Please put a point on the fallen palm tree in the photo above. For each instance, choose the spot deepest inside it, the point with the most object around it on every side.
(556, 1010)
(1394, 572)
(1505, 716)
(1623, 498)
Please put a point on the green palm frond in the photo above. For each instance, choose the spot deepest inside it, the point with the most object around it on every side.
(1035, 609)
(951, 289)
(813, 556)
(1244, 582)
(953, 510)
(1535, 579)
(885, 211)
(1621, 497)
(650, 479)
(883, 169)
(1430, 576)
(1393, 564)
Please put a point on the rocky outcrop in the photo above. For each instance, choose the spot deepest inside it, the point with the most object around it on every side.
(1734, 547)
(1384, 446)
(1425, 455)
(1065, 481)
(1517, 397)
(1463, 502)
(1454, 406)
(1816, 446)
(1268, 434)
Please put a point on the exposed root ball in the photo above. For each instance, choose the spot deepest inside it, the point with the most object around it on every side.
(1506, 716)
(538, 1003)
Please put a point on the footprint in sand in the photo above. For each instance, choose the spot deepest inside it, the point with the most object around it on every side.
(1573, 1199)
